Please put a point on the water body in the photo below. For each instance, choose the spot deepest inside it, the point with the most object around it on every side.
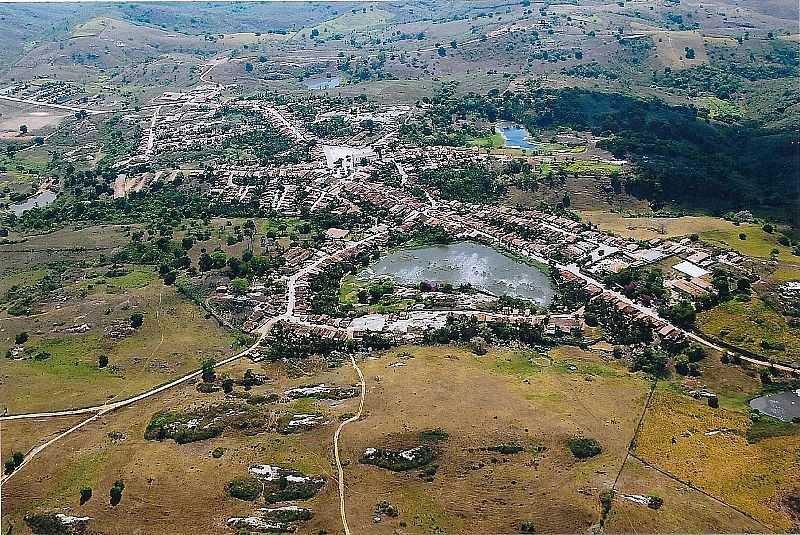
(37, 201)
(316, 84)
(783, 406)
(516, 136)
(483, 267)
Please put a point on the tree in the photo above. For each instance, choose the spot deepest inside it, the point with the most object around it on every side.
(116, 492)
(187, 243)
(441, 51)
(315, 33)
(227, 385)
(137, 320)
(205, 262)
(650, 361)
(743, 285)
(14, 462)
(239, 286)
(170, 277)
(583, 448)
(23, 129)
(86, 494)
(21, 338)
(208, 374)
(768, 228)
(248, 67)
(682, 314)
(102, 361)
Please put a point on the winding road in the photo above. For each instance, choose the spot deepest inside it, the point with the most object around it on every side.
(336, 436)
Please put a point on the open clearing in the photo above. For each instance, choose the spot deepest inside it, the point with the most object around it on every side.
(758, 244)
(671, 49)
(749, 325)
(173, 339)
(646, 228)
(709, 448)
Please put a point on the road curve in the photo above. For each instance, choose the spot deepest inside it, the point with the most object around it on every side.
(336, 445)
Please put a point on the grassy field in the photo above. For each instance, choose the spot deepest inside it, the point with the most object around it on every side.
(493, 141)
(758, 244)
(719, 108)
(645, 228)
(684, 510)
(709, 448)
(750, 323)
(535, 400)
(174, 338)
(671, 49)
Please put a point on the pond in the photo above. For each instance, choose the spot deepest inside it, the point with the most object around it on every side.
(467, 263)
(42, 198)
(316, 84)
(516, 136)
(783, 405)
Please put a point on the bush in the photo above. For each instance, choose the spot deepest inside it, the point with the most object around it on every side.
(655, 501)
(47, 524)
(86, 494)
(102, 361)
(21, 338)
(584, 448)
(244, 488)
(217, 453)
(13, 462)
(527, 527)
(116, 492)
(137, 320)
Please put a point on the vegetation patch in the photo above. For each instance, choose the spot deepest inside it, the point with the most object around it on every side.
(244, 488)
(398, 460)
(584, 448)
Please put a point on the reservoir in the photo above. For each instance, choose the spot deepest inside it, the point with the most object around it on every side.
(516, 136)
(467, 263)
(316, 84)
(783, 406)
(40, 199)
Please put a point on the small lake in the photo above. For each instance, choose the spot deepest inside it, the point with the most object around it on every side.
(37, 201)
(316, 84)
(783, 406)
(465, 262)
(516, 136)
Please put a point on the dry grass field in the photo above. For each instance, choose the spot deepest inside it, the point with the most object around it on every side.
(173, 339)
(671, 49)
(536, 401)
(646, 228)
(709, 448)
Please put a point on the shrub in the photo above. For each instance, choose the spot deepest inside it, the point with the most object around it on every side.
(47, 524)
(527, 527)
(217, 453)
(21, 338)
(655, 501)
(584, 448)
(137, 320)
(116, 492)
(13, 462)
(244, 488)
(208, 373)
(102, 361)
(86, 494)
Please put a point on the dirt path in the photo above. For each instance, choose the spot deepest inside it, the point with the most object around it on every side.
(336, 445)
(104, 409)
